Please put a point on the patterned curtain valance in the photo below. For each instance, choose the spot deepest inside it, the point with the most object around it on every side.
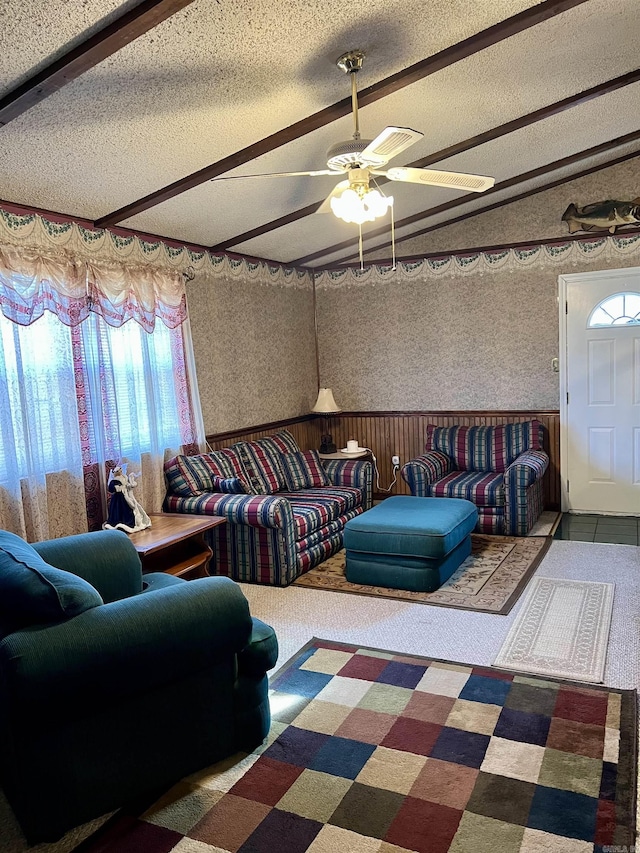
(33, 231)
(33, 281)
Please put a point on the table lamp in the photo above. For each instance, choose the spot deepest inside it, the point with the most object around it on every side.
(326, 405)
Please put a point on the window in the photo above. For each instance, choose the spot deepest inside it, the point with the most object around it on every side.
(621, 309)
(72, 396)
(95, 359)
(36, 384)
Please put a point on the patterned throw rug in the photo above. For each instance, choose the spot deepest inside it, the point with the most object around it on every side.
(376, 752)
(490, 580)
(562, 630)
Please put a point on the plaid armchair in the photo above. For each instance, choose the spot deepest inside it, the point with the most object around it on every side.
(499, 468)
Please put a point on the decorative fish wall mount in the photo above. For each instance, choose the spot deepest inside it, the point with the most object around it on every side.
(602, 215)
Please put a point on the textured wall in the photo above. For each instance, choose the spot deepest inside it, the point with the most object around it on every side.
(421, 342)
(406, 342)
(477, 341)
(254, 350)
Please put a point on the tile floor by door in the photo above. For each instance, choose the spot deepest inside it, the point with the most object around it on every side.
(618, 530)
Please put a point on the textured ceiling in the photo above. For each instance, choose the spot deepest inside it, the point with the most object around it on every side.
(216, 77)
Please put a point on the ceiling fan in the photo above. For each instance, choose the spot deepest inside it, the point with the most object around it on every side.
(362, 160)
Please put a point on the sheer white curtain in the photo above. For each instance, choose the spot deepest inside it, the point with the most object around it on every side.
(137, 400)
(92, 373)
(41, 476)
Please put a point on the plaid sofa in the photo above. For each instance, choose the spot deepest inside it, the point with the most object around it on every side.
(498, 468)
(285, 509)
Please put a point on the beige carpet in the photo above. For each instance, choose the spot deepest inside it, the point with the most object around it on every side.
(489, 581)
(562, 630)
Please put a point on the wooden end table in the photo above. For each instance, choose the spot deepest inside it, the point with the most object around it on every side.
(175, 544)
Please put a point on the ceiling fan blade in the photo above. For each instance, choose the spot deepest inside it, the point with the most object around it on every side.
(434, 177)
(389, 143)
(325, 207)
(278, 175)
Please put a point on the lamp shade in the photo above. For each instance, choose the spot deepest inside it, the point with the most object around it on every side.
(325, 404)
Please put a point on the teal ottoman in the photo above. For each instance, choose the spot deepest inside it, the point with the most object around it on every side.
(409, 542)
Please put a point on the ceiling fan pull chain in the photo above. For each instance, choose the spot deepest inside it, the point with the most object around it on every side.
(354, 103)
(393, 239)
(360, 245)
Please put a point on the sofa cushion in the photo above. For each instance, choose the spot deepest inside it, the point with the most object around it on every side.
(303, 470)
(229, 485)
(261, 462)
(283, 442)
(181, 480)
(485, 448)
(314, 508)
(480, 487)
(32, 592)
(217, 463)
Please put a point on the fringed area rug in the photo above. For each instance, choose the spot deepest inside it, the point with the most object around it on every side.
(377, 752)
(562, 630)
(490, 580)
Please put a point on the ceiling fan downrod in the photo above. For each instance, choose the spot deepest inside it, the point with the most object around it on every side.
(351, 63)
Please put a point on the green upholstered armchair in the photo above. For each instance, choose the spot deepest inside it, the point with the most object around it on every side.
(114, 685)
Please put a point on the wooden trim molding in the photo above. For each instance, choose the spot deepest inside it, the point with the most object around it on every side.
(403, 434)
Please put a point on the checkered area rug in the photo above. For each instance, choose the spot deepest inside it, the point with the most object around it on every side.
(376, 752)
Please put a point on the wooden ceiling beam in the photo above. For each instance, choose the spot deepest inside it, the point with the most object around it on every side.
(467, 197)
(86, 55)
(466, 144)
(468, 47)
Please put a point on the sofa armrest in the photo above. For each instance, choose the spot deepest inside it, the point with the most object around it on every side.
(352, 472)
(425, 469)
(526, 469)
(106, 559)
(254, 510)
(122, 648)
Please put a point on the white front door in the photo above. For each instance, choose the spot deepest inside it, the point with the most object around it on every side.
(600, 391)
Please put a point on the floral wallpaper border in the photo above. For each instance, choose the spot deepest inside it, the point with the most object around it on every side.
(72, 239)
(478, 263)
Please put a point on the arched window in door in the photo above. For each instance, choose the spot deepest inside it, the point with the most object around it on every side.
(621, 309)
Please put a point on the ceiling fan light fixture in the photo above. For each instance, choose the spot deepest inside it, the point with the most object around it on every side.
(360, 205)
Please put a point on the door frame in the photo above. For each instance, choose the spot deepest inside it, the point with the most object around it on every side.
(563, 362)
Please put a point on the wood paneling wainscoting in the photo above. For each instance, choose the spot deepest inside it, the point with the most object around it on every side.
(403, 434)
(305, 429)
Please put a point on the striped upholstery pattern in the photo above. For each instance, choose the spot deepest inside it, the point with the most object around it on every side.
(482, 489)
(312, 510)
(498, 468)
(269, 538)
(283, 442)
(491, 520)
(229, 485)
(261, 463)
(180, 478)
(303, 470)
(523, 490)
(425, 469)
(205, 466)
(256, 510)
(485, 448)
(358, 475)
